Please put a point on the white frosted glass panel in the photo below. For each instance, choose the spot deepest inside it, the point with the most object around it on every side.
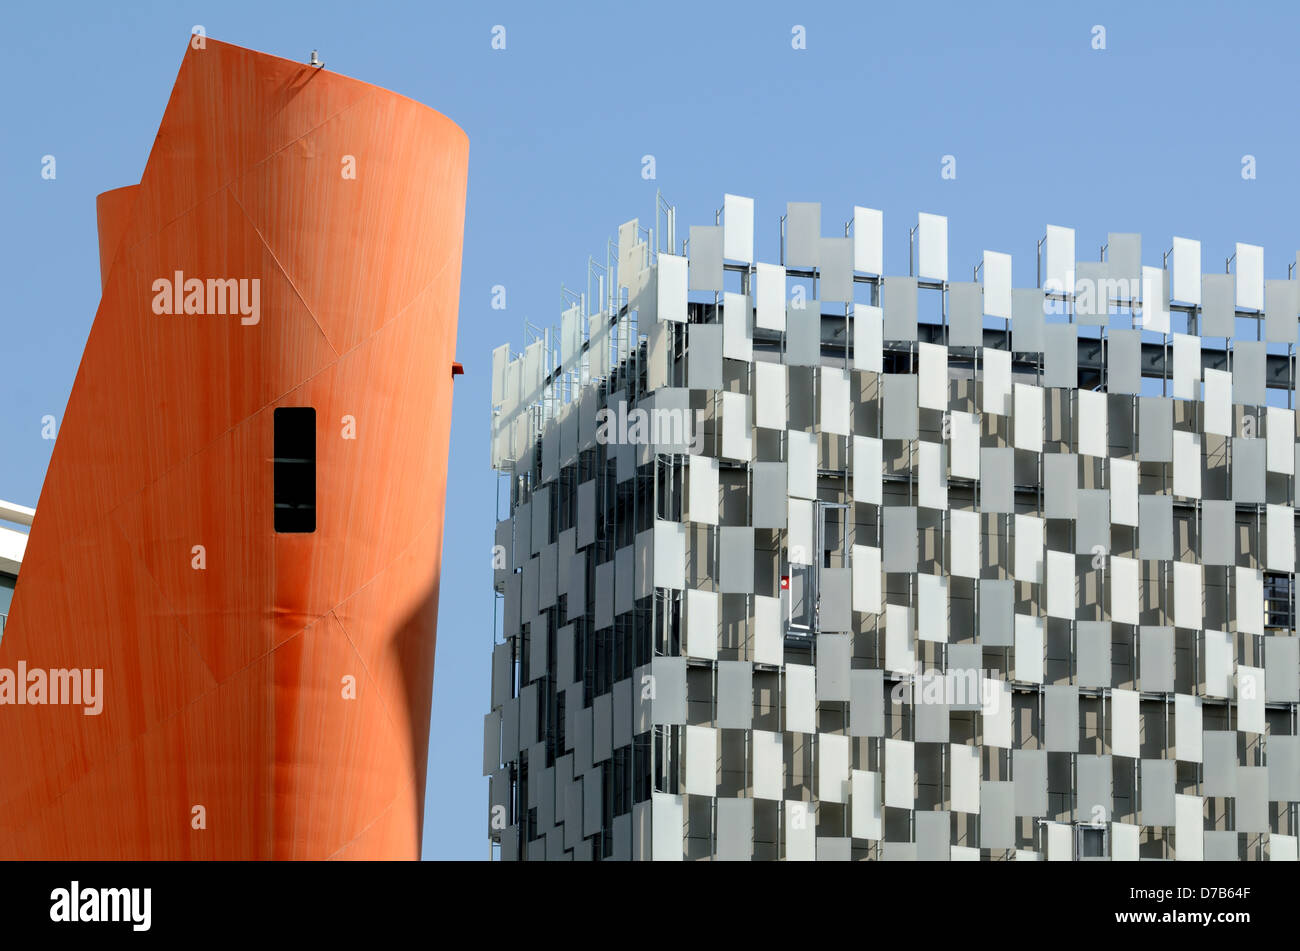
(1218, 402)
(1218, 664)
(1125, 586)
(799, 540)
(932, 478)
(932, 253)
(1029, 649)
(669, 554)
(1155, 308)
(1029, 417)
(932, 391)
(835, 282)
(1124, 842)
(1061, 485)
(769, 646)
(835, 400)
(867, 812)
(931, 607)
(900, 548)
(800, 698)
(803, 225)
(1124, 707)
(1156, 527)
(1059, 275)
(1250, 699)
(667, 817)
(997, 383)
(868, 240)
(1280, 437)
(965, 314)
(866, 702)
(1187, 271)
(996, 707)
(867, 470)
(868, 337)
(997, 284)
(832, 767)
(996, 480)
(1218, 308)
(705, 269)
(1187, 595)
(701, 761)
(1249, 364)
(770, 297)
(898, 397)
(900, 777)
(1283, 848)
(1061, 718)
(1187, 464)
(1157, 658)
(701, 624)
(1060, 842)
(735, 830)
(1027, 319)
(866, 579)
(668, 704)
(801, 465)
(769, 395)
(1280, 533)
(898, 304)
(737, 337)
(1060, 584)
(738, 228)
(1028, 541)
(1189, 829)
(1092, 522)
(671, 287)
(1123, 492)
(1092, 648)
(800, 832)
(735, 694)
(1061, 355)
(736, 441)
(1123, 259)
(834, 658)
(965, 764)
(1250, 277)
(703, 501)
(965, 542)
(1093, 427)
(803, 323)
(768, 765)
(500, 360)
(1250, 601)
(1187, 366)
(900, 650)
(1187, 727)
(1155, 429)
(1280, 311)
(964, 460)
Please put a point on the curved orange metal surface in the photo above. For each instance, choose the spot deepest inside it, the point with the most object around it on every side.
(226, 685)
(112, 212)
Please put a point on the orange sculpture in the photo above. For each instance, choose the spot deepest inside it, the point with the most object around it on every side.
(265, 695)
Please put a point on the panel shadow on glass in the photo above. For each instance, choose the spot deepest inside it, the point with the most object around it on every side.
(295, 469)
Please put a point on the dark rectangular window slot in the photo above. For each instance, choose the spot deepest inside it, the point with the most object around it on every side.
(295, 469)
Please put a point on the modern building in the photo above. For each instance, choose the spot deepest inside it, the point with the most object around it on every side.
(239, 536)
(802, 561)
(12, 545)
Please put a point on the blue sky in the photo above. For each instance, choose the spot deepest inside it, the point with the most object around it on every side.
(1147, 135)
